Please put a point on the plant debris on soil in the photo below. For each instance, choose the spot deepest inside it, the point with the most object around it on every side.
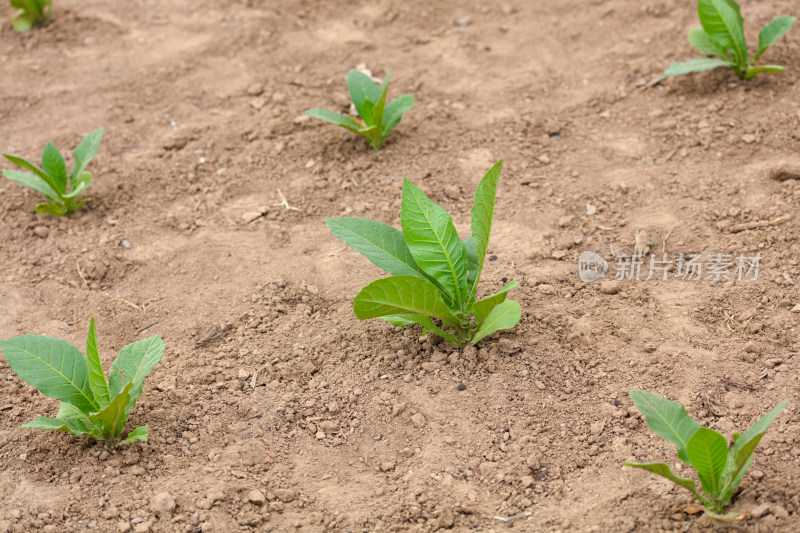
(274, 408)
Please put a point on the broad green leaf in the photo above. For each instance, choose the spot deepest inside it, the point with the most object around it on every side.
(741, 452)
(722, 20)
(33, 182)
(482, 215)
(85, 152)
(708, 454)
(664, 471)
(51, 209)
(66, 410)
(53, 164)
(73, 426)
(752, 71)
(111, 418)
(24, 163)
(382, 244)
(503, 316)
(54, 367)
(401, 295)
(135, 362)
(434, 243)
(138, 434)
(403, 320)
(333, 117)
(773, 31)
(667, 419)
(22, 23)
(78, 185)
(394, 112)
(97, 379)
(483, 307)
(698, 64)
(704, 43)
(362, 89)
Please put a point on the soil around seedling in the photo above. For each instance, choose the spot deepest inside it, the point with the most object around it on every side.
(274, 408)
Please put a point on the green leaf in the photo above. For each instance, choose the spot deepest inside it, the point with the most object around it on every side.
(85, 152)
(703, 42)
(401, 295)
(54, 367)
(33, 182)
(97, 379)
(135, 362)
(434, 243)
(426, 322)
(138, 434)
(773, 31)
(483, 307)
(377, 111)
(708, 454)
(663, 470)
(53, 164)
(24, 163)
(482, 215)
(752, 71)
(394, 112)
(73, 426)
(698, 64)
(345, 121)
(741, 453)
(362, 89)
(111, 418)
(78, 185)
(722, 20)
(382, 244)
(503, 316)
(51, 209)
(66, 410)
(667, 419)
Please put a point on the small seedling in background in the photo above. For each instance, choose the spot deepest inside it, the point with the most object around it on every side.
(90, 405)
(435, 273)
(719, 466)
(52, 181)
(723, 37)
(378, 118)
(30, 13)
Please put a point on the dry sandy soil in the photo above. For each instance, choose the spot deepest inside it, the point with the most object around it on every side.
(361, 426)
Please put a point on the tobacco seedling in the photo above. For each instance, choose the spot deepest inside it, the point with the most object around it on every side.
(90, 405)
(722, 36)
(378, 118)
(720, 467)
(30, 13)
(52, 181)
(435, 274)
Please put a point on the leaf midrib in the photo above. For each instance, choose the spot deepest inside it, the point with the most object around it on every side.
(444, 250)
(742, 56)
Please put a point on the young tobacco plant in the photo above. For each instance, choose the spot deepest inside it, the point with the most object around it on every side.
(30, 13)
(378, 118)
(90, 405)
(723, 37)
(52, 181)
(435, 274)
(720, 467)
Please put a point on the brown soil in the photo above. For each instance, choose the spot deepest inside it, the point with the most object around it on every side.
(202, 104)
